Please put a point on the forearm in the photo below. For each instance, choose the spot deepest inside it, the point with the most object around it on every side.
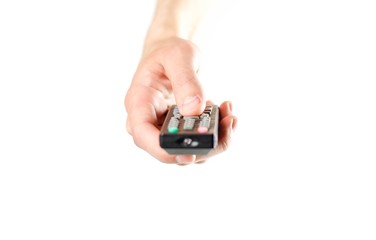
(175, 18)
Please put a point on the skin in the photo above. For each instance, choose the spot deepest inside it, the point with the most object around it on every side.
(166, 75)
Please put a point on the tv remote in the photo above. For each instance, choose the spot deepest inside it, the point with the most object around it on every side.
(190, 135)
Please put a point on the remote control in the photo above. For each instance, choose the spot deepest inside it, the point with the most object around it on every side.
(190, 135)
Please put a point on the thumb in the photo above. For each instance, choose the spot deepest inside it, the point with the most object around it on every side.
(181, 68)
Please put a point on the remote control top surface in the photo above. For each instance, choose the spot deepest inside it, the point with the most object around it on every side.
(190, 134)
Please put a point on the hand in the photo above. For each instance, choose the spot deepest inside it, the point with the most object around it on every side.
(166, 75)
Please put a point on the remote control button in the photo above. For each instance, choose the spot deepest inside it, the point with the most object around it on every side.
(189, 123)
(173, 125)
(191, 117)
(202, 129)
(204, 115)
(204, 125)
(205, 122)
(176, 111)
(173, 130)
(209, 108)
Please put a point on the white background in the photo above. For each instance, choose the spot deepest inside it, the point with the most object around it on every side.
(301, 75)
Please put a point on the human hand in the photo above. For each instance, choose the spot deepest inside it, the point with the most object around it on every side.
(166, 75)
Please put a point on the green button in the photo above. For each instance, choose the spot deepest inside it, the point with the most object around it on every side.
(173, 129)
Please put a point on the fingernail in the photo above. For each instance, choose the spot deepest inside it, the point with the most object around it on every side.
(190, 104)
(231, 128)
(181, 159)
(230, 106)
(233, 123)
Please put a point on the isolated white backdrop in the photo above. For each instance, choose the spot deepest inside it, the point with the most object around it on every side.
(301, 76)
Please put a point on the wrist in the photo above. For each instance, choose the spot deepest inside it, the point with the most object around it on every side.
(162, 31)
(174, 19)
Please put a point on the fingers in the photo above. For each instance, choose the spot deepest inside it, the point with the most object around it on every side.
(181, 67)
(142, 120)
(146, 135)
(185, 159)
(226, 127)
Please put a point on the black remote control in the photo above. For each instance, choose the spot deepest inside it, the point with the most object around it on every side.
(190, 134)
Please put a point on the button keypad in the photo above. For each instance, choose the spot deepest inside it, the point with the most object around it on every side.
(199, 124)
